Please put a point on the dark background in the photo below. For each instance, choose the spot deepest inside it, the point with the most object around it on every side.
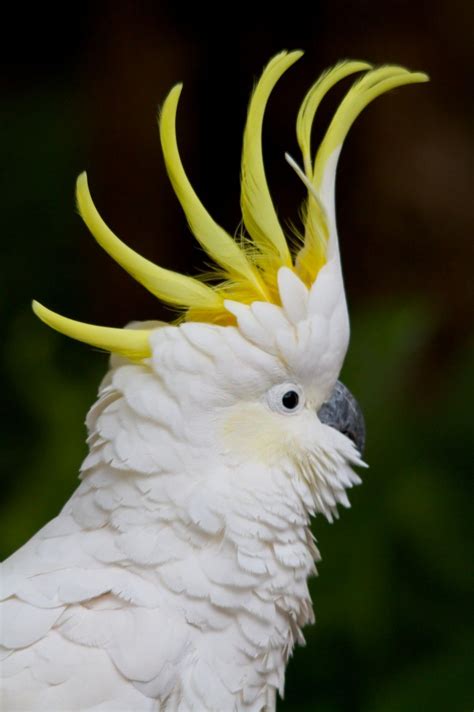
(80, 91)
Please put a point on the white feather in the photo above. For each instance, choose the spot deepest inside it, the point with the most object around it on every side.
(293, 295)
(175, 577)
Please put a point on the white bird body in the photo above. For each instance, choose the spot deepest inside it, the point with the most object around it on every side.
(177, 589)
(175, 578)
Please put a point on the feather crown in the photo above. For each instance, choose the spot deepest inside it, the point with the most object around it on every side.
(247, 269)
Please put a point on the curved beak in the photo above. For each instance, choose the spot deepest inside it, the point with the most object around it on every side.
(342, 411)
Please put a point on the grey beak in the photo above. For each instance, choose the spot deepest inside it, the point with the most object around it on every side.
(342, 411)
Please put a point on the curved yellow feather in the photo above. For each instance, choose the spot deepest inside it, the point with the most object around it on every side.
(249, 271)
(312, 256)
(131, 343)
(373, 84)
(312, 100)
(258, 211)
(215, 240)
(171, 287)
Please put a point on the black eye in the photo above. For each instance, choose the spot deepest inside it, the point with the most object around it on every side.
(285, 398)
(290, 400)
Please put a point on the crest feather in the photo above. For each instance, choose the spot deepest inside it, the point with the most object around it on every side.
(169, 286)
(250, 270)
(369, 87)
(312, 255)
(375, 82)
(258, 211)
(218, 244)
(311, 102)
(131, 343)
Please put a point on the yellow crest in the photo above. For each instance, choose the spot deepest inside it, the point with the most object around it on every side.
(246, 269)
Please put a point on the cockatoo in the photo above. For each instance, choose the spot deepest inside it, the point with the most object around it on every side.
(175, 577)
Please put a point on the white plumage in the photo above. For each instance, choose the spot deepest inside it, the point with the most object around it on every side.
(175, 577)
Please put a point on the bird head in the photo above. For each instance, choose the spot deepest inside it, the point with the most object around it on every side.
(249, 371)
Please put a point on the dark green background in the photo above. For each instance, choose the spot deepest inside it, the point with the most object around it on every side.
(394, 599)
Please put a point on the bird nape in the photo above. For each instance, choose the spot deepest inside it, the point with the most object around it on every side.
(175, 577)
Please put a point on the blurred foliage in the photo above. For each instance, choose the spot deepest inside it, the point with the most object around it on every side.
(395, 627)
(47, 384)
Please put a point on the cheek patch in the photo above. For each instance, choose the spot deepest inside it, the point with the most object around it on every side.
(252, 431)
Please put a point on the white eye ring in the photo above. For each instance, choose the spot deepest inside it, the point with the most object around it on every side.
(286, 398)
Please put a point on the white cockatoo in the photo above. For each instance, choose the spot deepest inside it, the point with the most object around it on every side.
(175, 578)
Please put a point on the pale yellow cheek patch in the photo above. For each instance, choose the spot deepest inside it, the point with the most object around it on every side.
(254, 432)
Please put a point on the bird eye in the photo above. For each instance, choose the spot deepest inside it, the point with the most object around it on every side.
(286, 398)
(290, 400)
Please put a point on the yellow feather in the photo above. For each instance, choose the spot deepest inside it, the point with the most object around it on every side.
(171, 287)
(312, 255)
(311, 102)
(258, 211)
(249, 268)
(216, 241)
(131, 343)
(372, 85)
